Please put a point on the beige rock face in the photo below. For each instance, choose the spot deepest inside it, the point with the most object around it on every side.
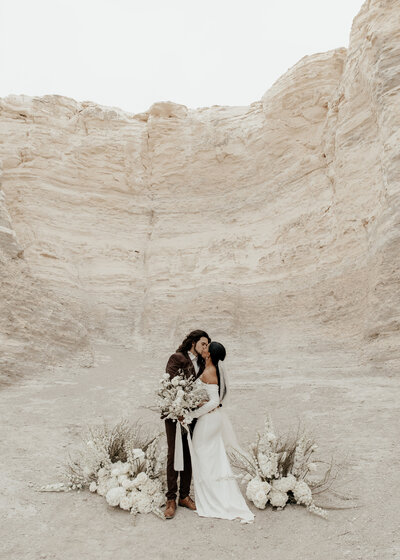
(275, 227)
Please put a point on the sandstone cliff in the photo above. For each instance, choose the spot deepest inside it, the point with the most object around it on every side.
(275, 226)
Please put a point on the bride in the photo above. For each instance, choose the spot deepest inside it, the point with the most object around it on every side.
(217, 492)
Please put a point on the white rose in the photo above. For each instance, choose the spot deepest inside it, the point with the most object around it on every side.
(126, 502)
(253, 487)
(106, 484)
(115, 495)
(277, 499)
(285, 483)
(102, 489)
(128, 484)
(143, 504)
(175, 381)
(260, 499)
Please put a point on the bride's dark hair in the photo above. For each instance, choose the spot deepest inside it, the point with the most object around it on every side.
(217, 354)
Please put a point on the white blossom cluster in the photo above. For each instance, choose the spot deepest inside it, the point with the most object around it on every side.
(136, 482)
(264, 478)
(137, 493)
(178, 396)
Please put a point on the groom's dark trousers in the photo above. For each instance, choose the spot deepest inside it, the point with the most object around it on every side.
(179, 360)
(172, 474)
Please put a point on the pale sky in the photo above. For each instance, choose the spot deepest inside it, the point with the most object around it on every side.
(131, 53)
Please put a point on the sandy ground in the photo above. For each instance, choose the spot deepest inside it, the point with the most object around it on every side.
(353, 418)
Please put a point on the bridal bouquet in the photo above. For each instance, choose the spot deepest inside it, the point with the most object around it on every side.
(178, 396)
(279, 471)
(124, 464)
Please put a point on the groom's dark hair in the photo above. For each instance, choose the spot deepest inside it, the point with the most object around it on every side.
(193, 336)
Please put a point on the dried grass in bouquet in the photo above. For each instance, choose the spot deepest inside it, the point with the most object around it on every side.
(281, 470)
(125, 463)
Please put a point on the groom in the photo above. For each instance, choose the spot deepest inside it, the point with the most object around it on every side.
(188, 357)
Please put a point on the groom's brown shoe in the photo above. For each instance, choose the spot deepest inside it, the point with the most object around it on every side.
(187, 502)
(170, 509)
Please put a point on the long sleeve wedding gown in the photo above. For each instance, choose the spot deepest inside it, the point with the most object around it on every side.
(217, 493)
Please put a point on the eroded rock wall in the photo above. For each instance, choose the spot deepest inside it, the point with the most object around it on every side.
(274, 226)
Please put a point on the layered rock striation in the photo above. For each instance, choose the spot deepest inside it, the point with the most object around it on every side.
(275, 226)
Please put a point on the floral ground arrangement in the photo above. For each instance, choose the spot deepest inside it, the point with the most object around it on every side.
(282, 470)
(126, 463)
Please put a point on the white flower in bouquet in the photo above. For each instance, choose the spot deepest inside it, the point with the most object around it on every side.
(256, 485)
(277, 498)
(121, 478)
(299, 459)
(178, 396)
(252, 488)
(268, 464)
(128, 484)
(302, 493)
(284, 484)
(269, 432)
(106, 484)
(115, 495)
(93, 486)
(120, 468)
(126, 502)
(143, 503)
(260, 499)
(141, 479)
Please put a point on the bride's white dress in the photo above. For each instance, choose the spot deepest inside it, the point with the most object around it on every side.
(217, 493)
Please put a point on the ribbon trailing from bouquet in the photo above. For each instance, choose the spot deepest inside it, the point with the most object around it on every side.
(178, 454)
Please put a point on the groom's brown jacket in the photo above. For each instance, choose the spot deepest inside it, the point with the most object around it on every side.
(178, 361)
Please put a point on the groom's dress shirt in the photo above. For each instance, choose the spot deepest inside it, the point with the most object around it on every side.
(194, 362)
